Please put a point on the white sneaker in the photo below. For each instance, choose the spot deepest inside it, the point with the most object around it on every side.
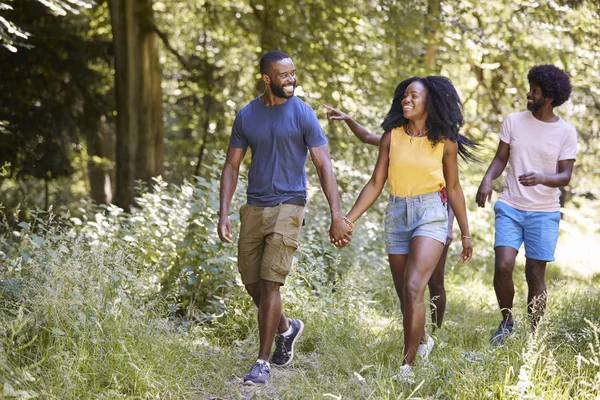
(425, 348)
(405, 374)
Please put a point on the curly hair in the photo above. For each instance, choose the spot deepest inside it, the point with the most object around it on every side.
(444, 109)
(554, 82)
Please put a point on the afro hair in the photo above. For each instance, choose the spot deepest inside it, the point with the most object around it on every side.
(554, 82)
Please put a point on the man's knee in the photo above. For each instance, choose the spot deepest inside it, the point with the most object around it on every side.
(535, 271)
(254, 291)
(267, 287)
(504, 266)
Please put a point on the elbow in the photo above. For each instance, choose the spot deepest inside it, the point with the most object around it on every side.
(565, 180)
(376, 185)
(454, 188)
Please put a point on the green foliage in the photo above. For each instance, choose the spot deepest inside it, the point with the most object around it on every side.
(173, 232)
(348, 54)
(52, 94)
(149, 304)
(92, 307)
(76, 318)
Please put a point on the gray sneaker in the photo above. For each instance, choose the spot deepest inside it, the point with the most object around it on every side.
(284, 345)
(259, 373)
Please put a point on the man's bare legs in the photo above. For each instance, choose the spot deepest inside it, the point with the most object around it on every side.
(271, 319)
(535, 271)
(503, 281)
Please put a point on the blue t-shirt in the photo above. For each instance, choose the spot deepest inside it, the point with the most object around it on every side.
(279, 137)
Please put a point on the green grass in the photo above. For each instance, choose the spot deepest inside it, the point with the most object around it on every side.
(83, 319)
(353, 348)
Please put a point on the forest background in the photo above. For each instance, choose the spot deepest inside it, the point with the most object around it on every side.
(114, 119)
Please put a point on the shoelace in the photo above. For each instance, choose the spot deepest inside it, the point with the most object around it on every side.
(256, 367)
(280, 345)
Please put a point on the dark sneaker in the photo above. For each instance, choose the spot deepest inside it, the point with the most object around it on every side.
(259, 373)
(503, 332)
(284, 345)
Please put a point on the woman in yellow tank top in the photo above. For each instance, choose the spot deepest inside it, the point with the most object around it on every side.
(418, 154)
(437, 289)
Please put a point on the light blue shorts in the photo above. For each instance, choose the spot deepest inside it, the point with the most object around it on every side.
(537, 229)
(410, 216)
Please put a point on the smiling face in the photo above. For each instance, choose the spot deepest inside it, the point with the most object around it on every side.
(281, 78)
(414, 101)
(535, 98)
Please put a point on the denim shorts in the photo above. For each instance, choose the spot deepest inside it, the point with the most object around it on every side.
(410, 216)
(537, 229)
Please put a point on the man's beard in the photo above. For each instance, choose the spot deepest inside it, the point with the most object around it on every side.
(278, 91)
(533, 106)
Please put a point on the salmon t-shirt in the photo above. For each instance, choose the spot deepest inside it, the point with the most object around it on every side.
(535, 146)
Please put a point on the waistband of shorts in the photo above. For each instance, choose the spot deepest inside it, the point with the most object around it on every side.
(419, 198)
(296, 201)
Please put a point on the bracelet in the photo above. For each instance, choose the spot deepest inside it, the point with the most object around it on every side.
(466, 237)
(349, 223)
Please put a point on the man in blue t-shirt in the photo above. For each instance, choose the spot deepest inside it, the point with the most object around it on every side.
(280, 130)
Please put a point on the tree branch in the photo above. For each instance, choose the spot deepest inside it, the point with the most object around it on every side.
(165, 39)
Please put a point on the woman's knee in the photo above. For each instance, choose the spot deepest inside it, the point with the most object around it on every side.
(414, 291)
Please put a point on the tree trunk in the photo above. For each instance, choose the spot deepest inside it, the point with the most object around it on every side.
(431, 29)
(100, 149)
(150, 156)
(140, 152)
(100, 183)
(46, 194)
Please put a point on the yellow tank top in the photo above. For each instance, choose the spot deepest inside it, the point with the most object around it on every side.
(415, 166)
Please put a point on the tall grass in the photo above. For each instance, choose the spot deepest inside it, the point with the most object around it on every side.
(149, 305)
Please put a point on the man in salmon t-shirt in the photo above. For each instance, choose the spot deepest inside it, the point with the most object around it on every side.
(540, 150)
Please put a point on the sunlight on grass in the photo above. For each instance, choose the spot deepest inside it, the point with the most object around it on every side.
(82, 317)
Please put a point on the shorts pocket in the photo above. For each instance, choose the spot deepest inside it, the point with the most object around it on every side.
(435, 213)
(282, 263)
(289, 220)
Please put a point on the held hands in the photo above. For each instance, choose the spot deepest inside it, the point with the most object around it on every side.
(224, 229)
(339, 232)
(484, 193)
(335, 114)
(467, 251)
(531, 179)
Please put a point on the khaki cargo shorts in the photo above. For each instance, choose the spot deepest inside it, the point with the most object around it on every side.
(268, 240)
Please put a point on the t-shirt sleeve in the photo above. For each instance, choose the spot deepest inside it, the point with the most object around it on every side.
(568, 150)
(505, 130)
(238, 140)
(313, 133)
